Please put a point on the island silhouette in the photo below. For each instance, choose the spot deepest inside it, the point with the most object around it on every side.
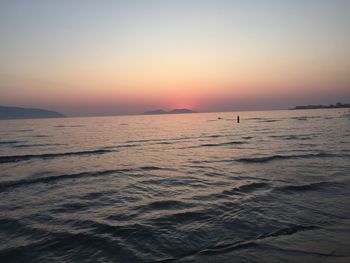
(174, 111)
(8, 113)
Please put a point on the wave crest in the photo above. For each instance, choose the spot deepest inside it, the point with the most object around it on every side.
(18, 158)
(270, 158)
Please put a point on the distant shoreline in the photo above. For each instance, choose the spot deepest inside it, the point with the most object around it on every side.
(338, 105)
(47, 114)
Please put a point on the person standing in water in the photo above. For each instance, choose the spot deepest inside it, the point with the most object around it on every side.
(237, 118)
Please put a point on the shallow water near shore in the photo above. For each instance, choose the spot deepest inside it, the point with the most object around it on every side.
(177, 188)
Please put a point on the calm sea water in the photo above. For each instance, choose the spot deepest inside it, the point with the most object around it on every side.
(177, 188)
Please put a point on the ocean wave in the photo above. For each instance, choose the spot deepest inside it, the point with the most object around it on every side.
(40, 136)
(121, 146)
(54, 245)
(18, 158)
(307, 187)
(38, 145)
(150, 168)
(270, 158)
(239, 190)
(247, 188)
(23, 130)
(222, 144)
(246, 244)
(214, 136)
(249, 243)
(268, 120)
(302, 118)
(164, 205)
(9, 142)
(293, 137)
(174, 140)
(255, 118)
(165, 142)
(174, 181)
(69, 126)
(183, 217)
(50, 179)
(22, 182)
(72, 207)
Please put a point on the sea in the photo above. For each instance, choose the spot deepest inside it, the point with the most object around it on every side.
(177, 188)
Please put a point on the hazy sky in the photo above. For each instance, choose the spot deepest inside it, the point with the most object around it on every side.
(103, 57)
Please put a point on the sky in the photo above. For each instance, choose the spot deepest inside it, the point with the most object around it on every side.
(87, 57)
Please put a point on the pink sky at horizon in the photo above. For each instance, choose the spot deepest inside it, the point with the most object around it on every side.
(89, 58)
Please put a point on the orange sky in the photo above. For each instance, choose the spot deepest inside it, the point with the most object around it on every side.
(129, 56)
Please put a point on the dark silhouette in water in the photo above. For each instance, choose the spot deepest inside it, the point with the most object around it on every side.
(237, 118)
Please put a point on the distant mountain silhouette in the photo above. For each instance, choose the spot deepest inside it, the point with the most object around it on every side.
(155, 112)
(174, 111)
(8, 113)
(179, 111)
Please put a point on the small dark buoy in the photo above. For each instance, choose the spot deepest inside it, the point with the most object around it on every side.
(237, 118)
